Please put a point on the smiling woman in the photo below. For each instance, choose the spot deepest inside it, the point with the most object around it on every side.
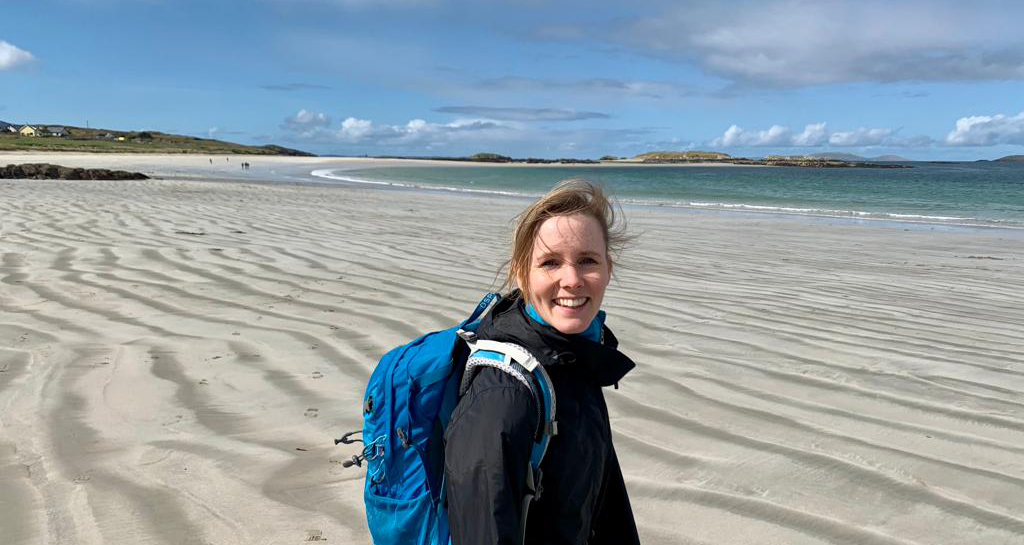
(569, 271)
(562, 250)
(561, 264)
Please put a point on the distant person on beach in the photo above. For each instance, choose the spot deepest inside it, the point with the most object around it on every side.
(560, 265)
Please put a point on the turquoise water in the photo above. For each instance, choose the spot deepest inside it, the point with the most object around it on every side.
(983, 193)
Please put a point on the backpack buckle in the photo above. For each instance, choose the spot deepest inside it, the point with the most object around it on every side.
(533, 481)
(468, 336)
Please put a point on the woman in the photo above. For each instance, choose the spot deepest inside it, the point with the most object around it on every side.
(561, 264)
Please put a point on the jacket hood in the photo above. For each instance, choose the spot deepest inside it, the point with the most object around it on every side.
(508, 321)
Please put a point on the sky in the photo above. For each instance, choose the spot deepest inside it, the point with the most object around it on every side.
(923, 79)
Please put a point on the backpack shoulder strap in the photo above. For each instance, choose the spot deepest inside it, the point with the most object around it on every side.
(520, 364)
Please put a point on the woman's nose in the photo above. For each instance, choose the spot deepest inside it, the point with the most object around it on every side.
(571, 277)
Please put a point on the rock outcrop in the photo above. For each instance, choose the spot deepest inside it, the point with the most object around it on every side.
(46, 171)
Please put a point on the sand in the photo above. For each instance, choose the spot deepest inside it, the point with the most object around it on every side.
(177, 355)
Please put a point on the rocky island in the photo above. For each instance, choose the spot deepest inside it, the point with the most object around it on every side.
(683, 157)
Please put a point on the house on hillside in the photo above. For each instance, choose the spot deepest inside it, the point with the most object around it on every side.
(29, 130)
(56, 130)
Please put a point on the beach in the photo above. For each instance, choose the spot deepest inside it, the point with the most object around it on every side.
(178, 354)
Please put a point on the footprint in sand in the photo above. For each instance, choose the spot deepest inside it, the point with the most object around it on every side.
(204, 382)
(318, 374)
(315, 535)
(312, 412)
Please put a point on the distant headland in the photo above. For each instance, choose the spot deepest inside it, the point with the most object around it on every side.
(63, 138)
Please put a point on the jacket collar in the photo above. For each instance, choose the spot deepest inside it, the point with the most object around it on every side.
(508, 322)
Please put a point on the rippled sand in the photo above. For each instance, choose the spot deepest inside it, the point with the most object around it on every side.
(177, 355)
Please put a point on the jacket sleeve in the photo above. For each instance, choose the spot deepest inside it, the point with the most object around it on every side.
(487, 451)
(613, 522)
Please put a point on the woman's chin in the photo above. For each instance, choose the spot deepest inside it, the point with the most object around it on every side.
(570, 326)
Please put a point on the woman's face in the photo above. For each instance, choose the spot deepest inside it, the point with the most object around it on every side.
(569, 271)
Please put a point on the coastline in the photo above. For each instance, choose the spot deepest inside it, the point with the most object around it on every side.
(373, 161)
(314, 171)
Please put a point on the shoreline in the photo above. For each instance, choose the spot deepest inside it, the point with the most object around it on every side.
(382, 160)
(303, 170)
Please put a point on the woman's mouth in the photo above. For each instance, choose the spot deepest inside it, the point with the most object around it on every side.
(574, 302)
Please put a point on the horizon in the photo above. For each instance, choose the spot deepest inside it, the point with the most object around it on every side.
(926, 80)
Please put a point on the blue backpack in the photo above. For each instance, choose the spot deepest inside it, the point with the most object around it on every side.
(408, 403)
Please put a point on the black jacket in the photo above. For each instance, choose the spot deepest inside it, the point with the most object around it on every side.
(583, 498)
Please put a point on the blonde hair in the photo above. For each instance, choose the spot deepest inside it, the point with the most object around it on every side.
(568, 197)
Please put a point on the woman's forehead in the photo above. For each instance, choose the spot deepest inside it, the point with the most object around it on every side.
(577, 232)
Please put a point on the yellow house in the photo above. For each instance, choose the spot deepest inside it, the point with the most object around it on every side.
(29, 130)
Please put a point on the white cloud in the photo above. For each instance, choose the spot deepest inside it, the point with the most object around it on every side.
(306, 122)
(602, 86)
(522, 114)
(353, 129)
(813, 135)
(859, 137)
(11, 55)
(799, 42)
(776, 135)
(315, 127)
(984, 130)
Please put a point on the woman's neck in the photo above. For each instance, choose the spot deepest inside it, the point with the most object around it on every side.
(592, 332)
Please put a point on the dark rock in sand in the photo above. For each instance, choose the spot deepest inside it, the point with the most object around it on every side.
(46, 171)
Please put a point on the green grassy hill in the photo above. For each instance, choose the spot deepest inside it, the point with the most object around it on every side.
(681, 155)
(102, 140)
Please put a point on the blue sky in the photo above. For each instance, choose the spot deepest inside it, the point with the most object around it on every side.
(922, 79)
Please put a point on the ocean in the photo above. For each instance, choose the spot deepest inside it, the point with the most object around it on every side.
(985, 194)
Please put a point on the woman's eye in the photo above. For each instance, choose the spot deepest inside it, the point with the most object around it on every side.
(549, 264)
(588, 261)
